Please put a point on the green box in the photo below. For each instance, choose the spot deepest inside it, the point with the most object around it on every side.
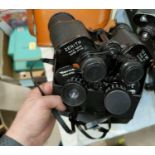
(23, 50)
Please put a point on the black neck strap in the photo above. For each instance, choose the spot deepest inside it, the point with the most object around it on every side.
(104, 131)
(71, 130)
(62, 122)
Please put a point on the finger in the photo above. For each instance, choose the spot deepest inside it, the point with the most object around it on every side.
(45, 87)
(54, 101)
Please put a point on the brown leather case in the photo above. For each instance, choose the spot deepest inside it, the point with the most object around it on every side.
(93, 19)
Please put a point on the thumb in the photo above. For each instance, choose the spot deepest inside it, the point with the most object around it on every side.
(45, 87)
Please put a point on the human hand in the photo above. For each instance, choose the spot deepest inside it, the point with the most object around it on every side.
(34, 121)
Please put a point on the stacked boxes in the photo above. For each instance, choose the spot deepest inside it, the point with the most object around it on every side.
(24, 52)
